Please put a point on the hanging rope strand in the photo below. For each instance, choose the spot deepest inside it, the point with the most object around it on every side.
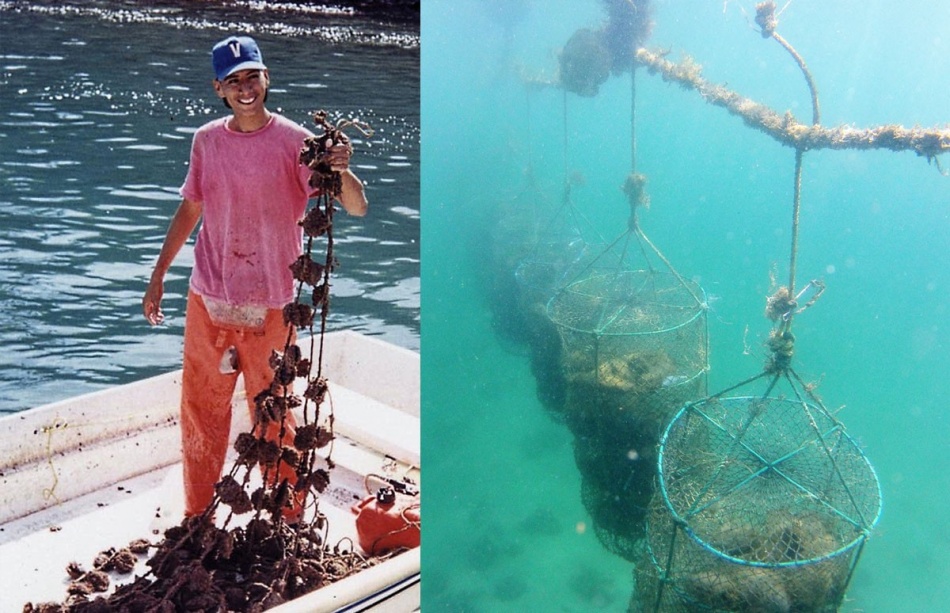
(633, 117)
(796, 213)
(567, 182)
(815, 109)
(767, 19)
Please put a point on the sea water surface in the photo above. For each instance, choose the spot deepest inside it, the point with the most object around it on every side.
(506, 529)
(98, 104)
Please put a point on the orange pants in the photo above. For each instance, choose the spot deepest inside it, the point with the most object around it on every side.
(207, 392)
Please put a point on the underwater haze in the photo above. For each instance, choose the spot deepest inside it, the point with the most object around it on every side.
(98, 104)
(506, 529)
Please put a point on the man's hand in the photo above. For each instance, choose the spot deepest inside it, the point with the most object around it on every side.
(152, 302)
(338, 157)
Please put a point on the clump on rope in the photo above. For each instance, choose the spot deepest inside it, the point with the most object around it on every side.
(312, 436)
(307, 271)
(635, 188)
(765, 18)
(781, 345)
(629, 25)
(590, 56)
(278, 555)
(314, 154)
(779, 304)
(200, 567)
(584, 63)
(85, 584)
(300, 315)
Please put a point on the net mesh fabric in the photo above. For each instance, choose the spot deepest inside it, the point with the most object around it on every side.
(633, 350)
(764, 505)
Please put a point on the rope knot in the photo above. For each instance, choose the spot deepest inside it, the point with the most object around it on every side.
(782, 345)
(780, 304)
(635, 189)
(765, 17)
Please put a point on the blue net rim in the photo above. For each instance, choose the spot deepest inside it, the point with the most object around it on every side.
(700, 307)
(862, 534)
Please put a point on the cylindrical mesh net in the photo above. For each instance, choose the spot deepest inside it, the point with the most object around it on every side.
(765, 505)
(515, 232)
(633, 350)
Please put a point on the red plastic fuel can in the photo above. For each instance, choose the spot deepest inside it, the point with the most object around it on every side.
(388, 520)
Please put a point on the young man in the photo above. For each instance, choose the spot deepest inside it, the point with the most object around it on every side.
(247, 187)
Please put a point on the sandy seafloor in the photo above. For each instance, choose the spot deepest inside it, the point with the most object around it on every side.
(505, 527)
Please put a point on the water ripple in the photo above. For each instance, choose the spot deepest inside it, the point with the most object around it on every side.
(340, 27)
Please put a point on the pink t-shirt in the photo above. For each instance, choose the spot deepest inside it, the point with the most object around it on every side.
(253, 191)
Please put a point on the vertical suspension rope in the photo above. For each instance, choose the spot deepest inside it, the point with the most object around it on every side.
(567, 182)
(767, 19)
(527, 101)
(796, 211)
(633, 117)
(812, 88)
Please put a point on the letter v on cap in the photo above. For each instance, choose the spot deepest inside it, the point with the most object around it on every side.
(236, 53)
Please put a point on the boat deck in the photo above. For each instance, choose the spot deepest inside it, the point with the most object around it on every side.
(36, 549)
(372, 437)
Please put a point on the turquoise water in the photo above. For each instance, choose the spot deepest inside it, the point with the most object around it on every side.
(98, 102)
(505, 526)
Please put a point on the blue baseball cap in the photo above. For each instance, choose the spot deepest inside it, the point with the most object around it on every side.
(236, 53)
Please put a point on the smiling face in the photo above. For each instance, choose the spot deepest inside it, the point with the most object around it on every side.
(244, 92)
